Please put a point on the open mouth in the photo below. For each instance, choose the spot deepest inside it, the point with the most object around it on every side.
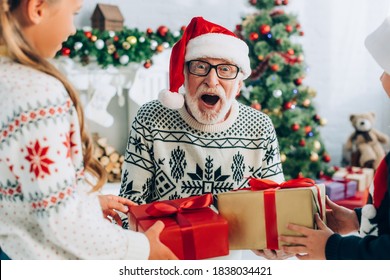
(210, 99)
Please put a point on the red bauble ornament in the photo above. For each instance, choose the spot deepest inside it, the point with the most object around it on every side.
(147, 64)
(316, 118)
(301, 33)
(149, 31)
(183, 28)
(295, 127)
(265, 29)
(302, 142)
(287, 105)
(253, 2)
(65, 51)
(88, 34)
(239, 27)
(326, 158)
(298, 81)
(116, 55)
(278, 2)
(253, 36)
(289, 28)
(298, 26)
(116, 38)
(307, 128)
(290, 51)
(285, 2)
(256, 105)
(162, 30)
(275, 67)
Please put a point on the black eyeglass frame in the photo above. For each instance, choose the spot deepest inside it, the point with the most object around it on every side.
(212, 67)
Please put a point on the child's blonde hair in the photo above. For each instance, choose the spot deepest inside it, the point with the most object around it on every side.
(20, 51)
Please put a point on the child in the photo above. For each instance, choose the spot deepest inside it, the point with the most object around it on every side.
(48, 208)
(325, 243)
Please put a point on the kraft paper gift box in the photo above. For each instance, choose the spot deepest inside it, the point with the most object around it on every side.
(192, 229)
(257, 217)
(339, 189)
(363, 176)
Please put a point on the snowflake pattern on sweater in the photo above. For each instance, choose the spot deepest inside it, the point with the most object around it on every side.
(46, 209)
(170, 155)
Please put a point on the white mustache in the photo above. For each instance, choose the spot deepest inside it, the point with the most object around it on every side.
(212, 91)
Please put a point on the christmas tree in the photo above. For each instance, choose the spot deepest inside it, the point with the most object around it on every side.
(276, 87)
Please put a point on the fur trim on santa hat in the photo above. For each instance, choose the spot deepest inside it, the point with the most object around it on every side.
(366, 227)
(222, 46)
(172, 100)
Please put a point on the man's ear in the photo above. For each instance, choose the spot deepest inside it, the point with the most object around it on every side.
(35, 10)
(239, 87)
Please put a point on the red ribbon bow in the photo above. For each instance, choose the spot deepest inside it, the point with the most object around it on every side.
(169, 208)
(269, 187)
(263, 184)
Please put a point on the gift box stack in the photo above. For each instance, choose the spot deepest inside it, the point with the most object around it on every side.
(363, 178)
(250, 218)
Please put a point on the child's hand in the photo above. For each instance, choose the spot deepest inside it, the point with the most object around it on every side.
(272, 254)
(158, 251)
(112, 203)
(309, 246)
(340, 219)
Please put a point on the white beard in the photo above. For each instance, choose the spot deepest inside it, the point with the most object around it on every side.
(209, 116)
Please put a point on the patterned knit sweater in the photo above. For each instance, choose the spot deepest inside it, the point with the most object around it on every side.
(46, 211)
(170, 155)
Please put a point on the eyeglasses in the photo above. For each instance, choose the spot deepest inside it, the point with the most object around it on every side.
(203, 68)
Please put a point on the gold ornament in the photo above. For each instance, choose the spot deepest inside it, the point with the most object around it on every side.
(126, 45)
(260, 57)
(132, 40)
(317, 145)
(111, 49)
(314, 157)
(283, 157)
(306, 102)
(93, 38)
(323, 122)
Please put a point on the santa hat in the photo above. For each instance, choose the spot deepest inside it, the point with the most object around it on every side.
(378, 44)
(202, 38)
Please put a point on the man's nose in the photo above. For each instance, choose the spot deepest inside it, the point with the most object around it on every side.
(212, 78)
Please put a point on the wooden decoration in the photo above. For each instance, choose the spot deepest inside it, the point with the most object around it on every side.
(108, 157)
(107, 17)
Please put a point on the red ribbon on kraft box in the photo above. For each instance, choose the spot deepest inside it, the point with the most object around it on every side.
(270, 187)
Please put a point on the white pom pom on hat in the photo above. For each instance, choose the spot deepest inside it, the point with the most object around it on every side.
(378, 44)
(202, 38)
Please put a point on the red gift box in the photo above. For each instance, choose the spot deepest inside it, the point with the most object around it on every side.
(192, 229)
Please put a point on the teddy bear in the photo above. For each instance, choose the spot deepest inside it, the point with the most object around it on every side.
(366, 140)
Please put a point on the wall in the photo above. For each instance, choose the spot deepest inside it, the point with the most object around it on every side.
(344, 75)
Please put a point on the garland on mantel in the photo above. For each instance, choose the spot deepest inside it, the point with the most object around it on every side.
(118, 48)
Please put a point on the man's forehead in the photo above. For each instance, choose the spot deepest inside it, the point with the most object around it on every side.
(213, 60)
